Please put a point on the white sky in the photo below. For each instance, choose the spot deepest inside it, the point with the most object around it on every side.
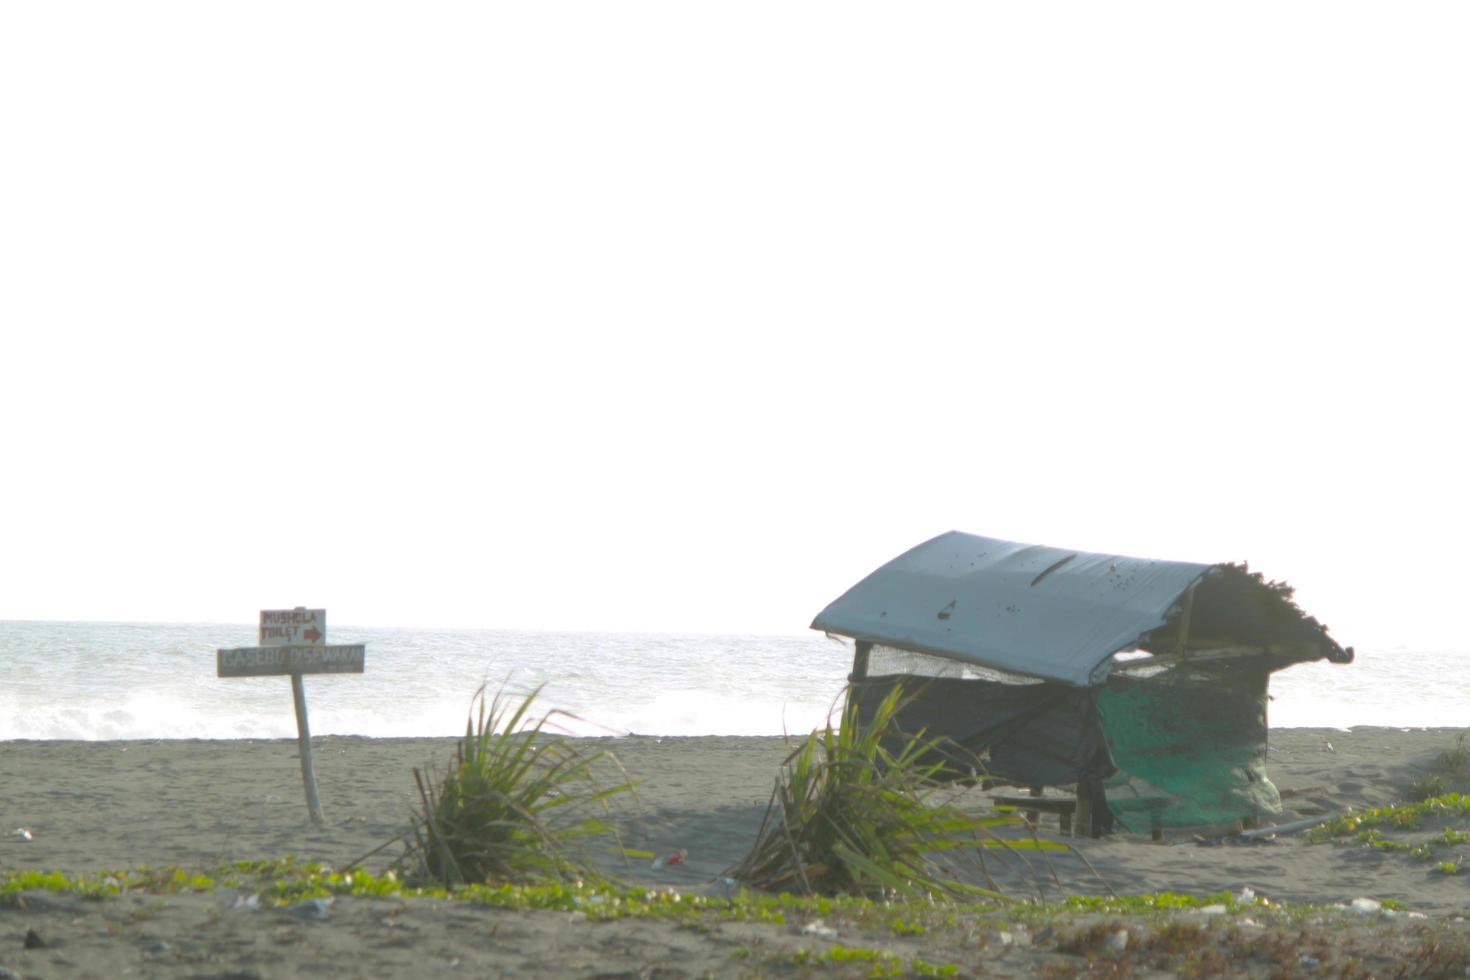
(685, 316)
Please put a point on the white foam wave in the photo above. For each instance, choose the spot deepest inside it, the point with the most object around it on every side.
(100, 681)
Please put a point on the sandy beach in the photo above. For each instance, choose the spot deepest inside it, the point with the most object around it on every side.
(94, 806)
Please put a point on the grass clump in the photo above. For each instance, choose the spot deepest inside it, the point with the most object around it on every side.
(1448, 773)
(854, 811)
(513, 805)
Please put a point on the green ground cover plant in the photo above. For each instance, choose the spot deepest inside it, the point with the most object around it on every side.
(1150, 935)
(1399, 816)
(288, 880)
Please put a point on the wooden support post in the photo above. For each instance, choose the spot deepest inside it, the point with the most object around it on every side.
(859, 668)
(1184, 618)
(1082, 824)
(303, 738)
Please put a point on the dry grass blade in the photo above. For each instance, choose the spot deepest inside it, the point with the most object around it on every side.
(1448, 773)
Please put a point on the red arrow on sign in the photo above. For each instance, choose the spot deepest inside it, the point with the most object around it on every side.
(312, 635)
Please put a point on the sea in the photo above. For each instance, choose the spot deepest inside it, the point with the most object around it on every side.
(158, 681)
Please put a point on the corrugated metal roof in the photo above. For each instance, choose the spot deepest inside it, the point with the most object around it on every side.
(1045, 612)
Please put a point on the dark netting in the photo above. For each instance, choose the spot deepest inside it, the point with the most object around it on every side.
(1192, 736)
(1039, 734)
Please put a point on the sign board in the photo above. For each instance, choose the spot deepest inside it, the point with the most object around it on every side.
(264, 661)
(293, 627)
(294, 642)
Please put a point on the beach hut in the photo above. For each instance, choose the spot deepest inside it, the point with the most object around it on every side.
(1141, 683)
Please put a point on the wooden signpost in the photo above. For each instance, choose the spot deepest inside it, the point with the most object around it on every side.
(293, 641)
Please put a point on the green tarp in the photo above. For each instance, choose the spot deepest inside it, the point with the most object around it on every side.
(1194, 734)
